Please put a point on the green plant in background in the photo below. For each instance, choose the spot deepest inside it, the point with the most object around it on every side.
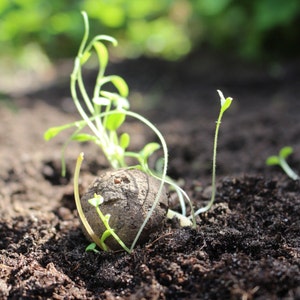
(258, 29)
(164, 28)
(104, 113)
(280, 160)
(143, 27)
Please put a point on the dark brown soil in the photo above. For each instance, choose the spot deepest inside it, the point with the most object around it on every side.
(246, 247)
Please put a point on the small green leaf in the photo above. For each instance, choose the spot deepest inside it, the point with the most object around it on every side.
(105, 235)
(83, 137)
(102, 53)
(285, 152)
(84, 58)
(50, 133)
(92, 247)
(96, 201)
(124, 140)
(107, 217)
(273, 160)
(114, 121)
(149, 149)
(227, 103)
(53, 132)
(120, 85)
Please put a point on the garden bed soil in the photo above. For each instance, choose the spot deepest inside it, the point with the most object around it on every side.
(246, 247)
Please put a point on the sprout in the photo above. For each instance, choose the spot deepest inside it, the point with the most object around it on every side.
(280, 160)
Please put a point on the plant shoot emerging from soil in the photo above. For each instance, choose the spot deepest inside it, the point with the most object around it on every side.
(280, 160)
(95, 202)
(104, 113)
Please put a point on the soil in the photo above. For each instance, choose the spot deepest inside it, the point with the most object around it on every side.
(246, 247)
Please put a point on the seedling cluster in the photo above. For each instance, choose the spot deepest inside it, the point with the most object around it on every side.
(104, 112)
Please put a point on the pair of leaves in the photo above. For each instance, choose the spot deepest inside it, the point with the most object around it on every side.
(283, 154)
(225, 102)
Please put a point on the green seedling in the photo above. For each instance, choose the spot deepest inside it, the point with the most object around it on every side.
(225, 104)
(95, 202)
(280, 160)
(103, 113)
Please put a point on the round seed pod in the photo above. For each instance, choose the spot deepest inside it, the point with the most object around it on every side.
(128, 196)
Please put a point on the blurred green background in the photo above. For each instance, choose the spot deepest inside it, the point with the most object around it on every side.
(44, 31)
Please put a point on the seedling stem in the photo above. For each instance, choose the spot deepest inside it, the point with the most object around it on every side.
(84, 221)
(225, 104)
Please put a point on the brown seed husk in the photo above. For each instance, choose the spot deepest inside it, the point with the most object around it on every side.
(128, 196)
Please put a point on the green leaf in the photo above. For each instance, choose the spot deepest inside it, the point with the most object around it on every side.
(84, 58)
(149, 149)
(285, 152)
(83, 137)
(114, 121)
(53, 132)
(273, 160)
(92, 247)
(102, 53)
(105, 235)
(124, 140)
(227, 103)
(120, 85)
(107, 217)
(96, 201)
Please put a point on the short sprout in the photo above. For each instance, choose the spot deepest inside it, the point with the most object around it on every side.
(280, 160)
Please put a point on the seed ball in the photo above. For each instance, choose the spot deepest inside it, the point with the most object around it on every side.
(128, 196)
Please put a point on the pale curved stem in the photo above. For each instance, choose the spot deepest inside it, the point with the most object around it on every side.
(83, 219)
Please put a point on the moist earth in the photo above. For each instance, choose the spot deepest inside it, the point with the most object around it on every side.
(246, 247)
